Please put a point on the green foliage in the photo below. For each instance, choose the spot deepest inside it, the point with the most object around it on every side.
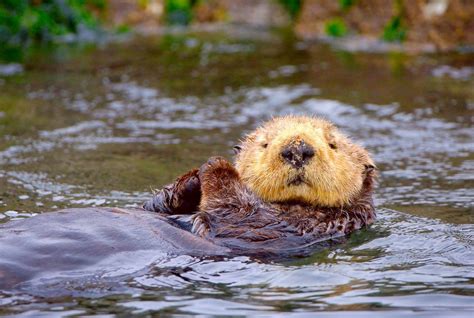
(346, 4)
(394, 30)
(336, 27)
(123, 28)
(42, 20)
(292, 6)
(179, 12)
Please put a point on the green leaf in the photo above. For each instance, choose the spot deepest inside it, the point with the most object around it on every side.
(394, 30)
(335, 27)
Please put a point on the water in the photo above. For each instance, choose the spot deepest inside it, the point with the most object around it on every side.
(102, 125)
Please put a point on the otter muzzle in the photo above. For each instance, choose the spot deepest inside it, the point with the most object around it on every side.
(297, 154)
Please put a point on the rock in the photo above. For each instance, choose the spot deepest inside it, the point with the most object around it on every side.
(257, 13)
(444, 24)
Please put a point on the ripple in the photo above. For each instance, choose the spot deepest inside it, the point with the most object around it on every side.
(11, 69)
(463, 73)
(75, 129)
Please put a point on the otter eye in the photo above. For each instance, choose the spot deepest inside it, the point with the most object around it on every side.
(332, 146)
(265, 145)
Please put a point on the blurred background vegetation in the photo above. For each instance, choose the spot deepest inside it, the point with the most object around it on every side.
(22, 21)
(443, 24)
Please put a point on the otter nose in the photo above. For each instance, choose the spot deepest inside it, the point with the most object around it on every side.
(298, 155)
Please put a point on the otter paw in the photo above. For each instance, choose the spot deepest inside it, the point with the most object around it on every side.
(201, 224)
(189, 185)
(160, 202)
(216, 165)
(213, 162)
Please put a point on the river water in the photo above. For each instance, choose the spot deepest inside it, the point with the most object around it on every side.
(101, 125)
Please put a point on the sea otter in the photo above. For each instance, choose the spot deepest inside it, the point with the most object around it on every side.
(296, 180)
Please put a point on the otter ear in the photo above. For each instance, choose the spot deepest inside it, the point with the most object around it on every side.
(237, 149)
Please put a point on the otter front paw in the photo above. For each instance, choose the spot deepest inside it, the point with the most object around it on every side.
(201, 224)
(181, 197)
(220, 183)
(217, 168)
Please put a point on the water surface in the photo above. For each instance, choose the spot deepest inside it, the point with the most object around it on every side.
(101, 125)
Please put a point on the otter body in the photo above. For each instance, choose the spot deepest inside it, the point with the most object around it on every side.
(296, 181)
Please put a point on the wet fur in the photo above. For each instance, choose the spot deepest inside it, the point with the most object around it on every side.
(238, 205)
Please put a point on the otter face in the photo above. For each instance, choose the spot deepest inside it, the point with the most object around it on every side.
(303, 159)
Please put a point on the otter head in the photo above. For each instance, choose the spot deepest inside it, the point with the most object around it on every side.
(304, 159)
